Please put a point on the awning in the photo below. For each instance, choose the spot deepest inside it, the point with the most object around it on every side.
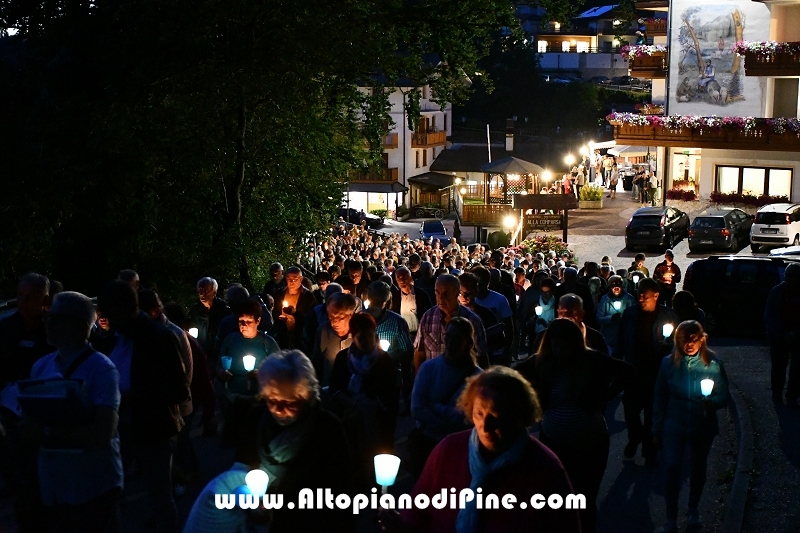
(512, 165)
(603, 145)
(385, 187)
(433, 179)
(630, 151)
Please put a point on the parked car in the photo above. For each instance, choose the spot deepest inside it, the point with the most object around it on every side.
(656, 226)
(733, 290)
(776, 224)
(720, 228)
(434, 229)
(599, 80)
(788, 252)
(354, 217)
(622, 80)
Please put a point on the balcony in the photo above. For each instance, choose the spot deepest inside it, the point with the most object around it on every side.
(757, 138)
(385, 175)
(656, 27)
(651, 67)
(429, 139)
(390, 141)
(784, 63)
(485, 215)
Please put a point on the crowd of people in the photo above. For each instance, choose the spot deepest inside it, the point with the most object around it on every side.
(307, 378)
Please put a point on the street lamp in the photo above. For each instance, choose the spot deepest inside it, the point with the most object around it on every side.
(509, 222)
(584, 151)
(569, 160)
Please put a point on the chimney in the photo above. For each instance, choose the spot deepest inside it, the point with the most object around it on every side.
(509, 135)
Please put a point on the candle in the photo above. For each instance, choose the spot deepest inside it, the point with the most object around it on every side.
(226, 362)
(385, 344)
(256, 481)
(617, 305)
(366, 304)
(667, 330)
(636, 279)
(249, 362)
(706, 386)
(386, 467)
(286, 303)
(538, 310)
(194, 332)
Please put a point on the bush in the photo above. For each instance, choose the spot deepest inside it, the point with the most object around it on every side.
(746, 199)
(680, 194)
(545, 243)
(591, 193)
(380, 212)
(402, 210)
(497, 239)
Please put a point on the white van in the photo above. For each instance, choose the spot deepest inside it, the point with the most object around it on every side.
(776, 225)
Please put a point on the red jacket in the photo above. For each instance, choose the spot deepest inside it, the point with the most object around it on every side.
(540, 472)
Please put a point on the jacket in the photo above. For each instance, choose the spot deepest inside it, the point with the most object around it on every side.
(678, 402)
(626, 342)
(776, 327)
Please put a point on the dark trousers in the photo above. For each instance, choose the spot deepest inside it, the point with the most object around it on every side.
(585, 466)
(634, 401)
(783, 355)
(100, 515)
(186, 462)
(674, 450)
(155, 460)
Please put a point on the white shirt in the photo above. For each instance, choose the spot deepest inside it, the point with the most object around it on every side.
(408, 310)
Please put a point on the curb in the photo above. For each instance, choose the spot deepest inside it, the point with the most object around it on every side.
(734, 516)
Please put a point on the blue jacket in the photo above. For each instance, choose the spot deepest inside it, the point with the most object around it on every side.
(678, 402)
(605, 312)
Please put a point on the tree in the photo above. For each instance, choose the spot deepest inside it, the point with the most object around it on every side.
(205, 137)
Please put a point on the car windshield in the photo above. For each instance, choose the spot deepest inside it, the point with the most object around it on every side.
(646, 220)
(709, 222)
(771, 218)
(433, 227)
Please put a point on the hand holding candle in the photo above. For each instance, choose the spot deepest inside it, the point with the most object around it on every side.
(538, 309)
(385, 344)
(257, 481)
(249, 362)
(706, 386)
(667, 330)
(617, 305)
(194, 332)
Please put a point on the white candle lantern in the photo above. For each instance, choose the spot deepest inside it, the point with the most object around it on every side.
(635, 279)
(706, 386)
(386, 467)
(385, 344)
(617, 305)
(667, 330)
(366, 304)
(538, 310)
(257, 481)
(249, 362)
(194, 332)
(285, 303)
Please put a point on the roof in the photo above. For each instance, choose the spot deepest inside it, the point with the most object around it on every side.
(461, 158)
(596, 12)
(777, 208)
(716, 211)
(434, 179)
(650, 211)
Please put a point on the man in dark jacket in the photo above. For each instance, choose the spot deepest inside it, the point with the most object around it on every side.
(152, 383)
(571, 285)
(783, 330)
(207, 314)
(643, 343)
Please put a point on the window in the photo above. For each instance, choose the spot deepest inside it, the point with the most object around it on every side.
(754, 180)
(542, 46)
(416, 155)
(565, 46)
(425, 158)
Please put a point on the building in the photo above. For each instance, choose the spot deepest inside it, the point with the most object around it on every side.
(730, 119)
(406, 153)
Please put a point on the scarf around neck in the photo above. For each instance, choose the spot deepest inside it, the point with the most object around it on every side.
(359, 364)
(279, 445)
(467, 520)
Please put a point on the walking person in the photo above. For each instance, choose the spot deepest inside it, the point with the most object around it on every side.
(683, 415)
(613, 180)
(783, 331)
(574, 384)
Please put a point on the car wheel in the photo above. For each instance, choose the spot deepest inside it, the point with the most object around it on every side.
(692, 250)
(629, 247)
(754, 248)
(420, 213)
(796, 241)
(439, 214)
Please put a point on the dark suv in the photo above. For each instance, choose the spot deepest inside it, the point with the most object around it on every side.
(354, 217)
(656, 226)
(733, 290)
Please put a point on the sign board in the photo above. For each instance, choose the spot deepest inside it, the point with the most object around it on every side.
(542, 223)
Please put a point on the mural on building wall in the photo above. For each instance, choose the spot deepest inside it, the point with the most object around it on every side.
(705, 76)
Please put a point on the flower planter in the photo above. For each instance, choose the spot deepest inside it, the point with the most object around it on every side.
(590, 204)
(652, 66)
(772, 64)
(404, 217)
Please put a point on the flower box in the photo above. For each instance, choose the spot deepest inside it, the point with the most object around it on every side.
(590, 204)
(656, 27)
(769, 58)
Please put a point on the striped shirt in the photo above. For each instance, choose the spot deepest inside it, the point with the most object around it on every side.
(430, 335)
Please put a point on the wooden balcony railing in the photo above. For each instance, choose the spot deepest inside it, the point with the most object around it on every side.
(485, 215)
(759, 138)
(656, 28)
(654, 66)
(387, 174)
(390, 141)
(780, 64)
(426, 140)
